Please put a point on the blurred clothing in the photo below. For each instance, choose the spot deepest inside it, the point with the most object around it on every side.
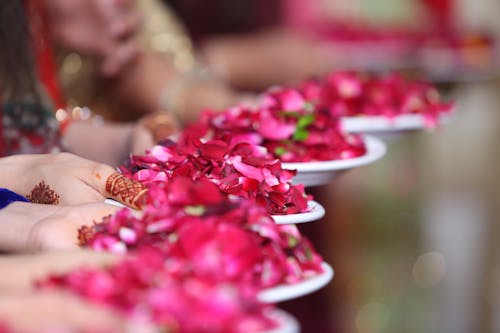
(161, 33)
(208, 18)
(27, 125)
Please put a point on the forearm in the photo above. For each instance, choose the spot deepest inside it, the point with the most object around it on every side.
(260, 60)
(154, 84)
(105, 143)
(243, 61)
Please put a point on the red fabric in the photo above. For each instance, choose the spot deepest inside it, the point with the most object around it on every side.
(441, 11)
(3, 148)
(42, 47)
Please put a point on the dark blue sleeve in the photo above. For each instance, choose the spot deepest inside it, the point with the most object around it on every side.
(7, 197)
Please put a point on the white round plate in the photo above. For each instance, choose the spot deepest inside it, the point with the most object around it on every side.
(287, 323)
(381, 124)
(114, 203)
(322, 172)
(290, 291)
(315, 212)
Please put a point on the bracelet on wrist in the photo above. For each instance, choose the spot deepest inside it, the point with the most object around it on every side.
(65, 118)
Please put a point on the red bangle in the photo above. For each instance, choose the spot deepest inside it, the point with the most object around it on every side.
(43, 50)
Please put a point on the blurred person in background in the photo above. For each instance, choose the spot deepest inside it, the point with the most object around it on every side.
(225, 47)
(172, 71)
(248, 44)
(29, 90)
(164, 73)
(255, 44)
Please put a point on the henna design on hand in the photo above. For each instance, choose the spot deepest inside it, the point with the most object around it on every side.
(85, 234)
(43, 194)
(126, 190)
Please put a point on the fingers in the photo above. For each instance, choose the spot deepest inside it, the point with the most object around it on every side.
(125, 190)
(121, 17)
(142, 139)
(111, 184)
(61, 230)
(117, 57)
(74, 180)
(123, 22)
(58, 311)
(126, 26)
(152, 129)
(160, 124)
(90, 213)
(25, 270)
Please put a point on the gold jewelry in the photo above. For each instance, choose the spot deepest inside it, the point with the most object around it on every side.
(160, 124)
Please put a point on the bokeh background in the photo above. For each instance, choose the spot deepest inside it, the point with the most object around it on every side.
(414, 238)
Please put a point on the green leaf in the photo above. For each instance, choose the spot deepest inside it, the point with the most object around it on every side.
(300, 134)
(279, 151)
(292, 241)
(306, 120)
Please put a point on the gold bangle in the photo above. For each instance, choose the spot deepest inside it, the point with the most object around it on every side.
(160, 124)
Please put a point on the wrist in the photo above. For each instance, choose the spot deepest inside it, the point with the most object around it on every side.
(67, 119)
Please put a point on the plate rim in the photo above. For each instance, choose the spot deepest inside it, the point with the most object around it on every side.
(289, 324)
(376, 149)
(316, 212)
(285, 292)
(403, 122)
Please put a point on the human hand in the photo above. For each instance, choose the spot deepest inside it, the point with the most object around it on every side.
(58, 311)
(151, 129)
(67, 179)
(60, 230)
(102, 29)
(28, 227)
(26, 269)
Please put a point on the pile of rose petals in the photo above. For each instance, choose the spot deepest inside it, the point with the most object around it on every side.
(238, 169)
(196, 259)
(348, 94)
(205, 243)
(149, 287)
(224, 240)
(286, 123)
